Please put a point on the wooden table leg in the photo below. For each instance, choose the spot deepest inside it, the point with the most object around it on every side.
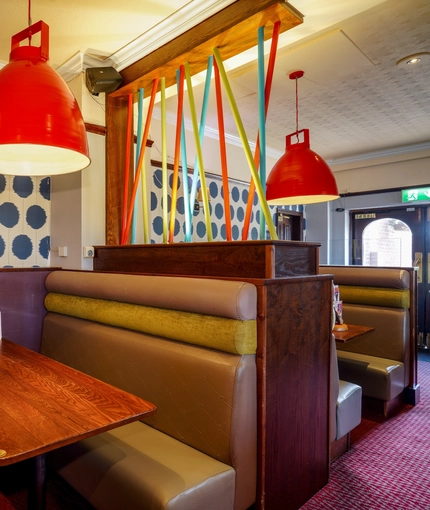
(37, 489)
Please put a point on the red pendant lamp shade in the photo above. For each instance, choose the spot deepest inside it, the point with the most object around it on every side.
(42, 131)
(300, 176)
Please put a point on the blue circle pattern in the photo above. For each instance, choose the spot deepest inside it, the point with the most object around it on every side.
(235, 195)
(157, 225)
(23, 186)
(157, 178)
(154, 201)
(22, 247)
(45, 188)
(219, 211)
(2, 183)
(238, 194)
(36, 216)
(201, 229)
(44, 247)
(24, 211)
(213, 189)
(240, 214)
(223, 232)
(9, 215)
(171, 181)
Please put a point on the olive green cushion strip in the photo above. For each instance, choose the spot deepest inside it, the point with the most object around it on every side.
(375, 296)
(229, 335)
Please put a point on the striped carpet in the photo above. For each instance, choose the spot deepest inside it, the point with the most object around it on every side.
(388, 465)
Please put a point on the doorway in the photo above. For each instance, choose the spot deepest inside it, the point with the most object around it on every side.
(396, 237)
(289, 225)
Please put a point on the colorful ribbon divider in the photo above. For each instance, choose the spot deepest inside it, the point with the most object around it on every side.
(127, 161)
(203, 115)
(245, 144)
(140, 163)
(199, 153)
(268, 88)
(138, 149)
(164, 176)
(177, 152)
(223, 154)
(262, 124)
(187, 208)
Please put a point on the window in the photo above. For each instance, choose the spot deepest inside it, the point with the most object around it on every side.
(387, 242)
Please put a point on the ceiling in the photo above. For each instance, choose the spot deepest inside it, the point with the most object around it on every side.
(353, 97)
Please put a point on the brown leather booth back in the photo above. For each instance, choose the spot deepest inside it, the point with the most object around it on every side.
(205, 398)
(221, 298)
(391, 337)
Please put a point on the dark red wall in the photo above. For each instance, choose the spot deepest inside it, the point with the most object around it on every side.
(22, 293)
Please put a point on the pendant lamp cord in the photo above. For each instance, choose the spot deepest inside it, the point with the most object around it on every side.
(297, 108)
(29, 21)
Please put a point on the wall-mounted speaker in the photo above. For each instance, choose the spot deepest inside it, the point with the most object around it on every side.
(102, 79)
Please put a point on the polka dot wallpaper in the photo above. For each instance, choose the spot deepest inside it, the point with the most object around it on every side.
(238, 202)
(24, 221)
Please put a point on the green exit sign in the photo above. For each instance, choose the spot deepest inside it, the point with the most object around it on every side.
(416, 195)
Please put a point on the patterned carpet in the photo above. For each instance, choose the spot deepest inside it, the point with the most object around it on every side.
(388, 465)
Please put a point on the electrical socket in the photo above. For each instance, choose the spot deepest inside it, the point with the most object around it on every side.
(62, 251)
(88, 252)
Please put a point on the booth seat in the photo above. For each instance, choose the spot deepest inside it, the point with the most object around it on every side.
(187, 345)
(345, 409)
(379, 361)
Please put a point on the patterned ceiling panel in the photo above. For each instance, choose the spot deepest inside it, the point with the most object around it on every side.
(366, 103)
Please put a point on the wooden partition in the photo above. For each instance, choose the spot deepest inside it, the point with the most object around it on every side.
(293, 352)
(239, 259)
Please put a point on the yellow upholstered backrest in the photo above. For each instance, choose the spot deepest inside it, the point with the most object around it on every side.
(229, 335)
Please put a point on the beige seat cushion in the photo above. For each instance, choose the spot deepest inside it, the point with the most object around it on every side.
(348, 408)
(379, 378)
(137, 467)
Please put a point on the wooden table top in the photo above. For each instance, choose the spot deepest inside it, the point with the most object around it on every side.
(45, 405)
(352, 332)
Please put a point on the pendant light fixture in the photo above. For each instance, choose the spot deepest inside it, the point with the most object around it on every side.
(42, 131)
(300, 176)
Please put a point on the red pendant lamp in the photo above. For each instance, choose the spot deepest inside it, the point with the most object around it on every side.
(300, 176)
(42, 131)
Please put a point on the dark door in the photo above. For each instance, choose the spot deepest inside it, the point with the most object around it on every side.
(289, 225)
(397, 236)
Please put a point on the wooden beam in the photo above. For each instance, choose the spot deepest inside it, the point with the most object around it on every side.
(116, 133)
(233, 30)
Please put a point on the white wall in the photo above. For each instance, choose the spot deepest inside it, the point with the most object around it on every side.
(401, 170)
(397, 170)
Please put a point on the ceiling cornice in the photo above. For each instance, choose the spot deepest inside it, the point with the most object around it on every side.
(375, 158)
(168, 29)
